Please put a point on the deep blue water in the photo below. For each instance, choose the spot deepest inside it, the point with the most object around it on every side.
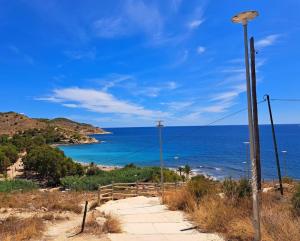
(218, 151)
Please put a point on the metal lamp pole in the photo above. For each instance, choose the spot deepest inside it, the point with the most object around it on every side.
(243, 18)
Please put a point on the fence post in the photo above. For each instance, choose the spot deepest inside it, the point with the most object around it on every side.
(137, 188)
(84, 216)
(112, 190)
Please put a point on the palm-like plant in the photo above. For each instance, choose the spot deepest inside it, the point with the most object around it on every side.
(187, 171)
(180, 170)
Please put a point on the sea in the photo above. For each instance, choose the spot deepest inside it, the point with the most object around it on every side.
(215, 151)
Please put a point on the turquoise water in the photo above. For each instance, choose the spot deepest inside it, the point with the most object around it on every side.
(217, 151)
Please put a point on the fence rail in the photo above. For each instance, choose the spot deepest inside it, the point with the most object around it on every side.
(123, 190)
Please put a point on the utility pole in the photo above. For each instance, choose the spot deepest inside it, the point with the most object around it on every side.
(255, 114)
(160, 126)
(275, 144)
(247, 160)
(243, 18)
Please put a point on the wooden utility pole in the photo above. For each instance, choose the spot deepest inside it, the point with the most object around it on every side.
(159, 126)
(275, 144)
(255, 115)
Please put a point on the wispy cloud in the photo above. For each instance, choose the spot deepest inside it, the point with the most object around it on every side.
(111, 80)
(111, 27)
(175, 4)
(267, 41)
(99, 102)
(27, 58)
(134, 17)
(195, 23)
(178, 105)
(201, 50)
(180, 59)
(81, 54)
(154, 91)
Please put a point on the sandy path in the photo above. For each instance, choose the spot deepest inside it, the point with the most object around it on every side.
(145, 219)
(16, 169)
(64, 231)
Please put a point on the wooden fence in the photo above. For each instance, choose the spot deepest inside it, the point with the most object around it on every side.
(123, 190)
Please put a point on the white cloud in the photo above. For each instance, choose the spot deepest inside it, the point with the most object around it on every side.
(154, 91)
(201, 49)
(178, 105)
(110, 27)
(134, 16)
(171, 85)
(267, 41)
(100, 102)
(70, 105)
(195, 23)
(112, 80)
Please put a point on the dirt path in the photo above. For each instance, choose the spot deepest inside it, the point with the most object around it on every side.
(65, 230)
(145, 219)
(16, 169)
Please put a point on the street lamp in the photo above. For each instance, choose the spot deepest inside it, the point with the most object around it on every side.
(247, 159)
(284, 161)
(243, 18)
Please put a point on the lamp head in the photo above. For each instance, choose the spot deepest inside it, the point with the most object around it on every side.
(244, 17)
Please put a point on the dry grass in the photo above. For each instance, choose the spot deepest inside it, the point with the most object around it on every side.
(180, 200)
(233, 219)
(51, 201)
(111, 225)
(14, 229)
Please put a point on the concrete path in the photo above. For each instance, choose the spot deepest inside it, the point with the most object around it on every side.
(145, 219)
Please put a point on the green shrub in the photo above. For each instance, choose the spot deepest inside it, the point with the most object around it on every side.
(296, 200)
(18, 184)
(50, 164)
(199, 186)
(126, 174)
(8, 156)
(236, 189)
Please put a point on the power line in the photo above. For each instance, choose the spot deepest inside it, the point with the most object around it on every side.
(230, 115)
(211, 123)
(292, 100)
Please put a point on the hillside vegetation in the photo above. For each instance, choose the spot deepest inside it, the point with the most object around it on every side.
(12, 123)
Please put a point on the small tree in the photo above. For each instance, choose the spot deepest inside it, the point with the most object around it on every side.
(4, 162)
(187, 171)
(180, 170)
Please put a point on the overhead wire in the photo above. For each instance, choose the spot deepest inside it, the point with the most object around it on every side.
(208, 124)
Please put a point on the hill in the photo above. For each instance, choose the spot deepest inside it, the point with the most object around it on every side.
(12, 123)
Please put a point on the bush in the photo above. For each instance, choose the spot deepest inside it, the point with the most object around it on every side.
(8, 155)
(126, 174)
(287, 179)
(296, 201)
(13, 228)
(18, 184)
(50, 164)
(200, 186)
(236, 189)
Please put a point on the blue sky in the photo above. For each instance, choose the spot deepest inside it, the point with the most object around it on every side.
(130, 63)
